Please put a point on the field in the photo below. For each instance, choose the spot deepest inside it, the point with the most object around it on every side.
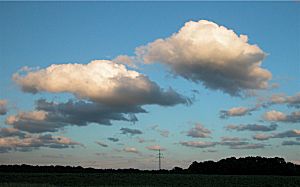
(142, 180)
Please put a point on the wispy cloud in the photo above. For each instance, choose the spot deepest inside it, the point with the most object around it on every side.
(113, 139)
(162, 132)
(252, 127)
(198, 144)
(155, 148)
(101, 144)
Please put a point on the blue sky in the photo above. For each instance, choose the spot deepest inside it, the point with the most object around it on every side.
(36, 34)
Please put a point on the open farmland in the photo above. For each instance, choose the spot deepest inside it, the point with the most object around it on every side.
(117, 179)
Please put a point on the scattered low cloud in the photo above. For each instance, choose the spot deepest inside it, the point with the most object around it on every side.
(100, 81)
(143, 140)
(30, 142)
(113, 139)
(286, 134)
(289, 143)
(3, 107)
(131, 132)
(101, 144)
(11, 132)
(198, 144)
(239, 143)
(252, 127)
(249, 146)
(213, 55)
(52, 116)
(199, 131)
(236, 111)
(155, 148)
(131, 150)
(291, 101)
(262, 137)
(162, 132)
(278, 116)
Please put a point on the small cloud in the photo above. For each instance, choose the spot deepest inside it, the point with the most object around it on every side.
(262, 137)
(131, 150)
(162, 132)
(199, 131)
(113, 139)
(291, 101)
(198, 144)
(142, 140)
(252, 127)
(131, 132)
(101, 144)
(239, 143)
(286, 134)
(278, 116)
(155, 148)
(290, 143)
(236, 111)
(30, 142)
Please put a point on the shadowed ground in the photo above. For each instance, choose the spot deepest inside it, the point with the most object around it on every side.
(111, 179)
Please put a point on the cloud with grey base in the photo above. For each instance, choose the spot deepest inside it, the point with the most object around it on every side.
(11, 132)
(252, 127)
(213, 55)
(291, 101)
(198, 144)
(286, 134)
(199, 131)
(290, 143)
(239, 143)
(52, 116)
(131, 132)
(113, 139)
(31, 142)
(277, 116)
(100, 81)
(236, 112)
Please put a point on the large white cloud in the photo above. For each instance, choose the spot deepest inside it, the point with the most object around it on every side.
(211, 54)
(100, 81)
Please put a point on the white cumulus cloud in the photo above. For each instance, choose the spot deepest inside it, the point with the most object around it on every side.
(100, 81)
(210, 54)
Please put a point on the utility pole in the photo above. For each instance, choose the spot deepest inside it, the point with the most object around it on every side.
(159, 159)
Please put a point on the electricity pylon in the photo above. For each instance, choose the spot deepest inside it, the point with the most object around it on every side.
(160, 156)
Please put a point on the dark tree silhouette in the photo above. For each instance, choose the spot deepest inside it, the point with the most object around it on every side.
(228, 166)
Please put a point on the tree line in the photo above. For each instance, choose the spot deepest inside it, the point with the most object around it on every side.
(229, 166)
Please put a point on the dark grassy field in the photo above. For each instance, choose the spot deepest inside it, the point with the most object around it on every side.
(106, 179)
